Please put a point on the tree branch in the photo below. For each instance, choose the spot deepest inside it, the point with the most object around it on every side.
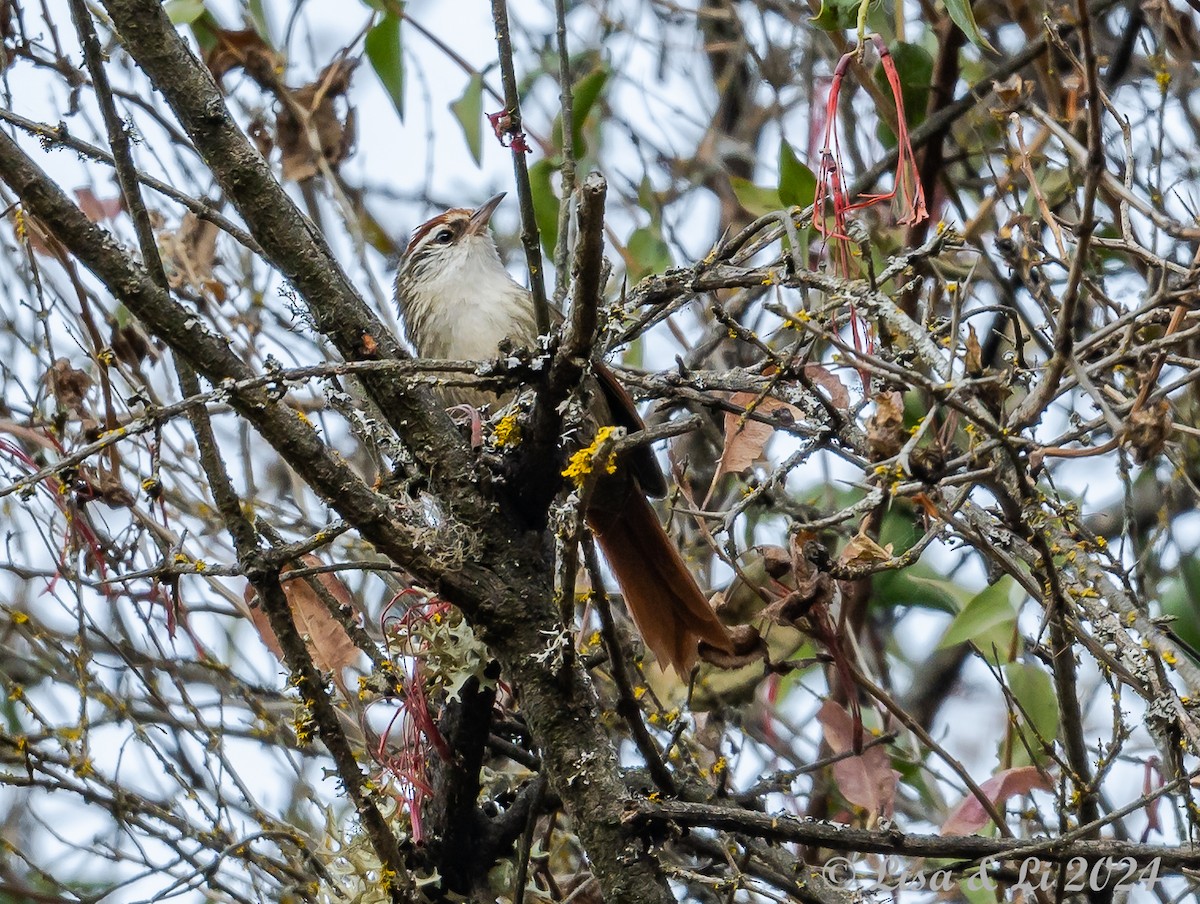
(783, 827)
(289, 240)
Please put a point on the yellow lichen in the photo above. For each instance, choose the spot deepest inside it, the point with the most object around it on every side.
(507, 431)
(583, 461)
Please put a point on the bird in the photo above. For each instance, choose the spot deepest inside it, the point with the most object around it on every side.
(458, 301)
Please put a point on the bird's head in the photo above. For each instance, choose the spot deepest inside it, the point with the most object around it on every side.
(455, 241)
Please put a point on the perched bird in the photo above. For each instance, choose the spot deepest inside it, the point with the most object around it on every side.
(459, 302)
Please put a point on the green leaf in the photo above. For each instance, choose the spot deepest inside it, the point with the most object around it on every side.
(1056, 185)
(1032, 687)
(797, 184)
(1181, 592)
(837, 15)
(917, 587)
(205, 29)
(184, 12)
(647, 253)
(258, 15)
(545, 202)
(964, 18)
(989, 611)
(468, 110)
(755, 198)
(985, 893)
(584, 94)
(387, 58)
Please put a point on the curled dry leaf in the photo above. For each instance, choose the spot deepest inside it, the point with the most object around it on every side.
(763, 573)
(1152, 782)
(112, 492)
(190, 253)
(813, 585)
(1011, 93)
(1148, 429)
(130, 343)
(310, 107)
(314, 107)
(862, 550)
(68, 385)
(244, 49)
(885, 431)
(973, 360)
(969, 816)
(328, 643)
(1177, 27)
(748, 647)
(866, 780)
(746, 437)
(260, 134)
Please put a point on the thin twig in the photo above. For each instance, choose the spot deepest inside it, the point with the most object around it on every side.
(530, 239)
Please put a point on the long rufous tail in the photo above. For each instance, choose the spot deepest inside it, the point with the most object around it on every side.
(662, 596)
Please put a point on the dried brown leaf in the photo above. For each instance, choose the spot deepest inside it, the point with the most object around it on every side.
(1151, 783)
(885, 431)
(973, 362)
(112, 492)
(862, 550)
(839, 395)
(813, 586)
(68, 385)
(748, 647)
(328, 643)
(190, 253)
(745, 437)
(762, 571)
(1148, 429)
(131, 344)
(260, 134)
(1011, 92)
(247, 50)
(313, 106)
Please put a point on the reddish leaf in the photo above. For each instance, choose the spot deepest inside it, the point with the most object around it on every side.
(97, 209)
(821, 376)
(969, 816)
(867, 780)
(328, 643)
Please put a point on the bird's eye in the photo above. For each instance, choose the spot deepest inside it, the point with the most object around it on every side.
(443, 237)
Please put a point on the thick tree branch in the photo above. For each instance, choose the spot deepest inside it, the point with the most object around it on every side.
(289, 240)
(783, 827)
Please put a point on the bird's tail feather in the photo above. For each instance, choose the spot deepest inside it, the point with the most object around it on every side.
(662, 596)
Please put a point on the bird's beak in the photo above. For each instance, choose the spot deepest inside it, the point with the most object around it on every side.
(479, 219)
